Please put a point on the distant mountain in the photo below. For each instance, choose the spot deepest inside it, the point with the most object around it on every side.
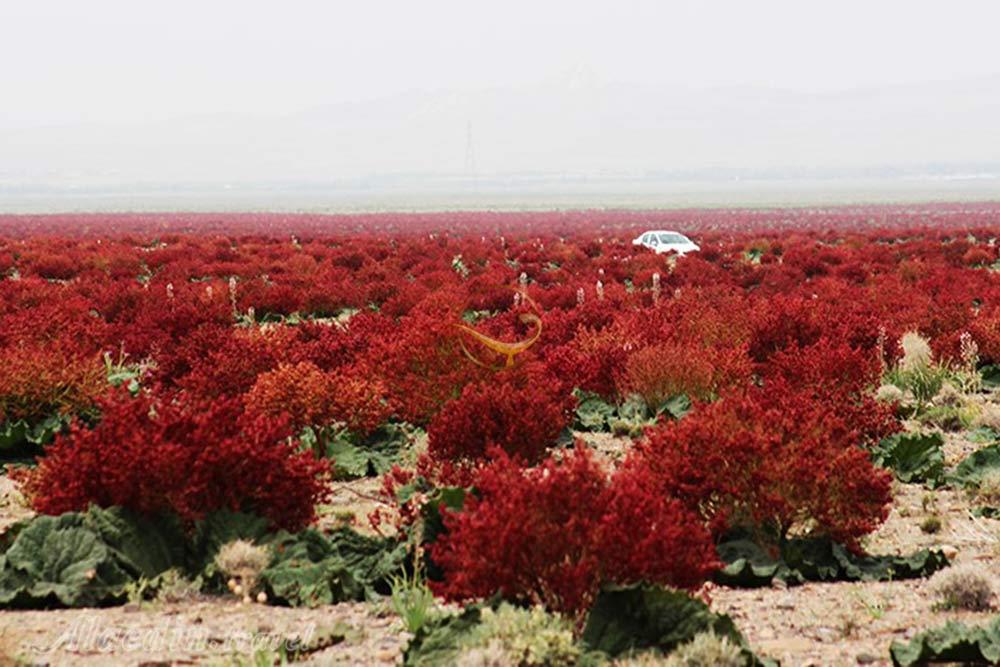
(571, 125)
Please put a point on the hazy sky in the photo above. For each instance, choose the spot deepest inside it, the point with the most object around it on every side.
(132, 60)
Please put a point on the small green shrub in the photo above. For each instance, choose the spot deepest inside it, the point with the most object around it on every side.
(931, 524)
(482, 636)
(412, 600)
(530, 636)
(916, 373)
(707, 650)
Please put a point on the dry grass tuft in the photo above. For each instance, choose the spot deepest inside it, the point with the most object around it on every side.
(243, 561)
(916, 351)
(890, 393)
(963, 587)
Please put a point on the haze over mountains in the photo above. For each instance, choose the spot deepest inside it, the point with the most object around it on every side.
(570, 125)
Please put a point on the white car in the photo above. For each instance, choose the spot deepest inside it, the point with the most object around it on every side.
(662, 241)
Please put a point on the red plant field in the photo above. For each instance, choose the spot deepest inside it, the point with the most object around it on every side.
(178, 364)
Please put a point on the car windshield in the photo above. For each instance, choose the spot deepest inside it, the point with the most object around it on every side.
(672, 238)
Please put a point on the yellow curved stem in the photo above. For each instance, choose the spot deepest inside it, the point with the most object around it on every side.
(508, 350)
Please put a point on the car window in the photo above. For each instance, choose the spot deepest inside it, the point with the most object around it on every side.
(645, 238)
(652, 239)
(673, 238)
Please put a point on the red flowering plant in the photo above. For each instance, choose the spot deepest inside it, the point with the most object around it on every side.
(842, 377)
(188, 457)
(359, 400)
(664, 370)
(38, 381)
(521, 411)
(299, 391)
(771, 460)
(552, 535)
(421, 361)
(41, 388)
(228, 362)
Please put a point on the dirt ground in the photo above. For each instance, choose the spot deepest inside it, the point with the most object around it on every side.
(814, 624)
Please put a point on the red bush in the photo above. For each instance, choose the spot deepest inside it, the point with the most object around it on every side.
(668, 369)
(522, 413)
(300, 391)
(37, 381)
(360, 402)
(191, 458)
(828, 366)
(553, 534)
(421, 362)
(977, 257)
(231, 365)
(840, 377)
(771, 460)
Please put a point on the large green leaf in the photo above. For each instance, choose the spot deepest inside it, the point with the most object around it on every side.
(439, 640)
(372, 560)
(16, 435)
(971, 471)
(144, 546)
(301, 582)
(450, 498)
(676, 407)
(55, 560)
(750, 566)
(13, 434)
(913, 457)
(747, 565)
(365, 460)
(354, 456)
(823, 560)
(14, 585)
(593, 413)
(952, 642)
(637, 618)
(87, 559)
(990, 375)
(633, 409)
(310, 568)
(432, 522)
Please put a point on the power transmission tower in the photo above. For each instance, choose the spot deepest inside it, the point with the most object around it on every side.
(470, 152)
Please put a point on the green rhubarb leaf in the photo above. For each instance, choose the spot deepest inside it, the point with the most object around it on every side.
(303, 583)
(144, 546)
(953, 642)
(747, 565)
(975, 467)
(312, 569)
(593, 413)
(913, 457)
(638, 618)
(990, 375)
(355, 457)
(55, 560)
(439, 641)
(676, 407)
